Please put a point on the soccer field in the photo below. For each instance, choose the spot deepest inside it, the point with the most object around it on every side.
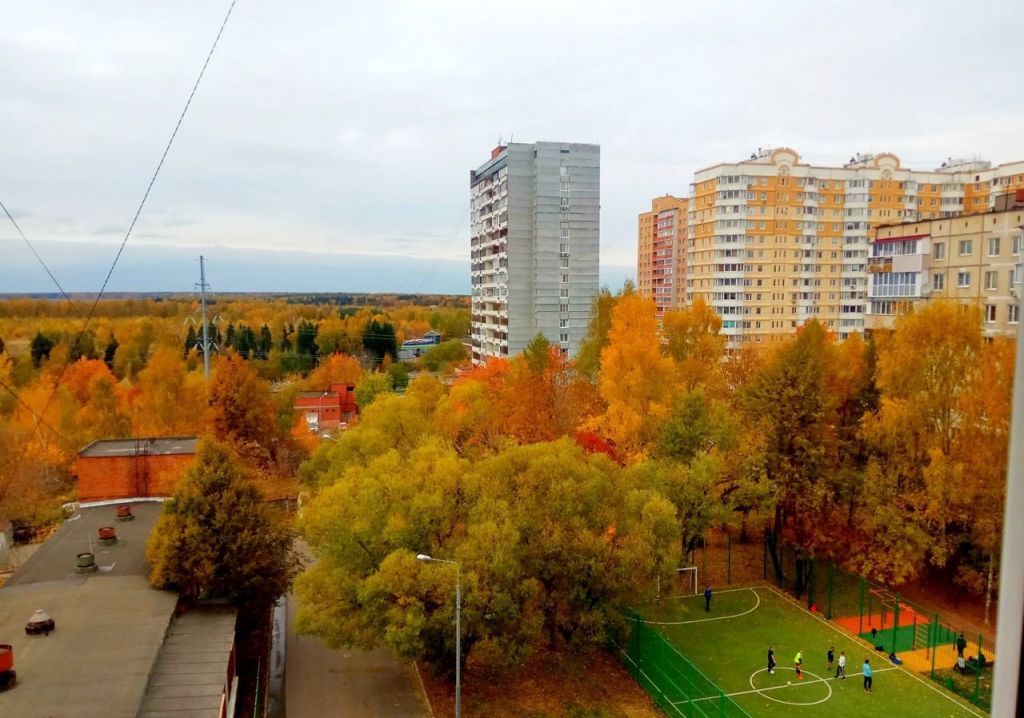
(729, 645)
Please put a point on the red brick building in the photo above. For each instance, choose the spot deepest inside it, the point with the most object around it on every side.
(325, 410)
(129, 468)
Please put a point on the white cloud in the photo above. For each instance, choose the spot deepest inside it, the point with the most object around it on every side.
(351, 128)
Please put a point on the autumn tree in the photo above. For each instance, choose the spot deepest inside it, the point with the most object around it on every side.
(166, 399)
(372, 386)
(588, 358)
(693, 340)
(636, 381)
(789, 401)
(217, 537)
(40, 348)
(241, 412)
(335, 369)
(983, 447)
(917, 499)
(552, 544)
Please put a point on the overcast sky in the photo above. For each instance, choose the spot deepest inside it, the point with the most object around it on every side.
(325, 127)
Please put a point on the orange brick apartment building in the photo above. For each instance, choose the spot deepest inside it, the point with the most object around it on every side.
(130, 468)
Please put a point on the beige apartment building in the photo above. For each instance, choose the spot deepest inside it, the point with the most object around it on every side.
(773, 241)
(661, 252)
(973, 259)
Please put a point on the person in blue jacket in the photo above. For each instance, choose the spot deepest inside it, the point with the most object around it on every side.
(867, 674)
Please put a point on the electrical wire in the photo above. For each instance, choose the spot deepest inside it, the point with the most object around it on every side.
(124, 242)
(36, 254)
(38, 418)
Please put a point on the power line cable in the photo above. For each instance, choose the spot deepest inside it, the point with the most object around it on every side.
(124, 242)
(34, 252)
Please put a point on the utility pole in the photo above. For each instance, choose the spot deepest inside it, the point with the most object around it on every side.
(206, 329)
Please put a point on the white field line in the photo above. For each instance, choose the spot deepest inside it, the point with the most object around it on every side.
(966, 706)
(715, 618)
(794, 685)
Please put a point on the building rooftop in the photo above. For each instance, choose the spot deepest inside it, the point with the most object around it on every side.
(190, 675)
(318, 394)
(109, 624)
(137, 447)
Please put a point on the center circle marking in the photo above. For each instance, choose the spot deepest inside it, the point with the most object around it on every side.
(764, 692)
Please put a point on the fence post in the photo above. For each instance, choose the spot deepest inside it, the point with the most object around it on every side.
(831, 581)
(934, 641)
(895, 622)
(728, 558)
(809, 578)
(860, 619)
(782, 564)
(977, 673)
(704, 544)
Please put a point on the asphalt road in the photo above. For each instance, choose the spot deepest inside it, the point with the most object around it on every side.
(323, 683)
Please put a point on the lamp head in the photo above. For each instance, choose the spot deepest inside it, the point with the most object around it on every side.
(424, 557)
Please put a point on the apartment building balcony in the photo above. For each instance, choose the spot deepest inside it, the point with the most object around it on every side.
(878, 265)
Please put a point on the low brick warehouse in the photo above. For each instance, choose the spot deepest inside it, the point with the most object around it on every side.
(129, 468)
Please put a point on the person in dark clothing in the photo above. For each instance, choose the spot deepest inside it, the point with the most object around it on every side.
(771, 660)
(831, 656)
(707, 599)
(961, 644)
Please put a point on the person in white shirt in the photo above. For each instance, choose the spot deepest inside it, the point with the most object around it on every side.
(841, 668)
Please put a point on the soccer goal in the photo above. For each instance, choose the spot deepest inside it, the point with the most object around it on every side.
(686, 580)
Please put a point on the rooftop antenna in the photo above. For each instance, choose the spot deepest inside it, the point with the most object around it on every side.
(500, 138)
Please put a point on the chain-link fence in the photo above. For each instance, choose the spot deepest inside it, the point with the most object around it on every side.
(724, 557)
(675, 684)
(923, 639)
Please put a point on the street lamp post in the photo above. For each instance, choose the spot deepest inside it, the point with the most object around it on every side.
(458, 628)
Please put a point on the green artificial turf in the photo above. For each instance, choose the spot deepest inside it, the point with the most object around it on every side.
(729, 646)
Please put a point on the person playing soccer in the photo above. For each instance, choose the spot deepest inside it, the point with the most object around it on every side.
(707, 599)
(798, 661)
(831, 656)
(771, 660)
(841, 668)
(867, 675)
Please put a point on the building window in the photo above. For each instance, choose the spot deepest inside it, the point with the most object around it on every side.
(563, 308)
(1015, 276)
(939, 252)
(563, 249)
(1016, 245)
(1013, 316)
(938, 281)
(963, 279)
(966, 247)
(564, 291)
(564, 261)
(565, 279)
(565, 203)
(564, 171)
(563, 322)
(564, 185)
(563, 232)
(991, 281)
(564, 337)
(990, 313)
(993, 247)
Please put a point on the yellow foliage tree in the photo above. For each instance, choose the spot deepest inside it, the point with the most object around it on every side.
(637, 381)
